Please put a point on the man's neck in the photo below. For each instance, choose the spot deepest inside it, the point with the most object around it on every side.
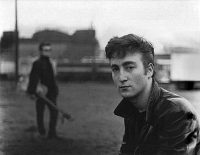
(44, 56)
(141, 101)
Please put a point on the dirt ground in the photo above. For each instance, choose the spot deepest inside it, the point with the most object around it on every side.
(94, 131)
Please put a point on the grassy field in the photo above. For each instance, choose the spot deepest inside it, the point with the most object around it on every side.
(94, 131)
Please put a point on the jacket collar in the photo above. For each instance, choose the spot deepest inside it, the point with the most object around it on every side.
(126, 109)
(44, 57)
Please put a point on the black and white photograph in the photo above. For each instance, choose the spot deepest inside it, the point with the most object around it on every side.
(99, 77)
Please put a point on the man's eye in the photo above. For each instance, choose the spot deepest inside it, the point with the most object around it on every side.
(115, 69)
(129, 68)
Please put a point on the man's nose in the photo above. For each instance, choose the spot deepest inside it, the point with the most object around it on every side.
(122, 76)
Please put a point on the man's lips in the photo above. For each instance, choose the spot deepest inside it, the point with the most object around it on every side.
(123, 87)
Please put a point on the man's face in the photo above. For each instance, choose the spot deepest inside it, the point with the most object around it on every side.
(46, 50)
(129, 75)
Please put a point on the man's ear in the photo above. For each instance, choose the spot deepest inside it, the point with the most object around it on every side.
(150, 70)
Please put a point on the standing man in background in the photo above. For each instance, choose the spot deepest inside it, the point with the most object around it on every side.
(42, 80)
(157, 122)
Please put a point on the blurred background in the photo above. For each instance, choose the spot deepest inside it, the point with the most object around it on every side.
(78, 31)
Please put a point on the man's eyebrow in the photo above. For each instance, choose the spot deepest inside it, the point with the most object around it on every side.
(114, 65)
(129, 63)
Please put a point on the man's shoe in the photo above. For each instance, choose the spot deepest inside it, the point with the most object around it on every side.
(42, 131)
(52, 136)
(40, 137)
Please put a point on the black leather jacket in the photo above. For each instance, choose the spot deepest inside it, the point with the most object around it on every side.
(42, 71)
(170, 125)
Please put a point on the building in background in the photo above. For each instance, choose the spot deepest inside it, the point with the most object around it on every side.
(65, 48)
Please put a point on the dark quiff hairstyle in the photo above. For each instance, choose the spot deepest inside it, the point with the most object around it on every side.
(119, 47)
(43, 44)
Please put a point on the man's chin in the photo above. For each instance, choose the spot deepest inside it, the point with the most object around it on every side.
(126, 95)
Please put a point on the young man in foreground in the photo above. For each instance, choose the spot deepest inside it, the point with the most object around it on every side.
(157, 122)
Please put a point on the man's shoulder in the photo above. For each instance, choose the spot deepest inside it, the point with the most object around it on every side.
(37, 61)
(174, 102)
(172, 107)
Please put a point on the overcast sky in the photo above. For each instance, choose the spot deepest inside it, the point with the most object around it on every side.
(158, 20)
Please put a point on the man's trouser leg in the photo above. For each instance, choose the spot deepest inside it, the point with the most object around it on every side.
(40, 107)
(53, 119)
